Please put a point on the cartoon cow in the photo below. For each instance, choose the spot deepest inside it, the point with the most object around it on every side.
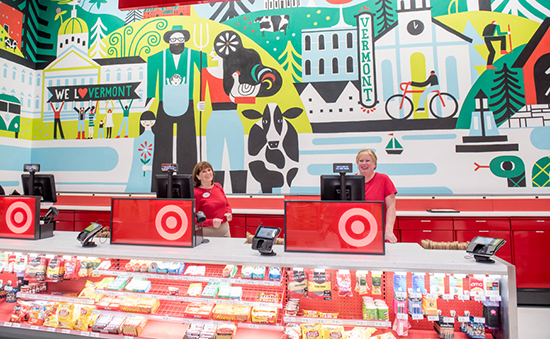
(11, 43)
(274, 23)
(273, 144)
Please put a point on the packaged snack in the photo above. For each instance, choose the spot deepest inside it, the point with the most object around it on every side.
(20, 311)
(361, 286)
(72, 267)
(163, 267)
(311, 331)
(319, 285)
(225, 331)
(293, 331)
(400, 282)
(229, 271)
(242, 313)
(176, 268)
(200, 310)
(50, 320)
(429, 306)
(115, 325)
(105, 265)
(129, 304)
(274, 273)
(138, 284)
(236, 292)
(83, 317)
(56, 269)
(297, 284)
(418, 284)
(85, 268)
(65, 315)
(332, 332)
(194, 290)
(36, 268)
(376, 282)
(89, 292)
(259, 272)
(103, 284)
(310, 313)
(134, 326)
(343, 283)
(246, 272)
(329, 315)
(268, 297)
(101, 322)
(118, 284)
(211, 290)
(148, 305)
(195, 270)
(37, 313)
(224, 291)
(264, 315)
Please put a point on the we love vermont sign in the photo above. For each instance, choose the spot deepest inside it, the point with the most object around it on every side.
(119, 91)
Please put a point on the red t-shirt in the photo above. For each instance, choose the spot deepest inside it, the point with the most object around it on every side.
(212, 202)
(379, 187)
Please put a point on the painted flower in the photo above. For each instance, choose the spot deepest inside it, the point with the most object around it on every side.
(146, 149)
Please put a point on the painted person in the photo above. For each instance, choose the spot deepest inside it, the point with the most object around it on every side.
(378, 187)
(211, 200)
(125, 116)
(433, 85)
(91, 124)
(238, 77)
(81, 122)
(491, 33)
(141, 171)
(175, 115)
(57, 120)
(109, 123)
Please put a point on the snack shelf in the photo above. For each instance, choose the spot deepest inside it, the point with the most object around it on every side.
(55, 330)
(334, 321)
(190, 299)
(256, 282)
(48, 297)
(158, 317)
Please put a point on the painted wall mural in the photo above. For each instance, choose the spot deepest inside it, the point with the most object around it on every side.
(454, 96)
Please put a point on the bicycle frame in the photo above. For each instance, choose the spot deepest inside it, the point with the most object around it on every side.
(406, 91)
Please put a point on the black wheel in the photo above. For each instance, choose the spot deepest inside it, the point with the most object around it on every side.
(226, 43)
(399, 107)
(443, 106)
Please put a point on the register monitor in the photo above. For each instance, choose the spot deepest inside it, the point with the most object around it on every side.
(44, 186)
(331, 188)
(182, 186)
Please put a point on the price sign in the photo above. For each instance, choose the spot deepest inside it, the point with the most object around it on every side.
(253, 326)
(171, 297)
(34, 327)
(380, 324)
(401, 295)
(480, 320)
(449, 320)
(17, 325)
(479, 298)
(51, 329)
(433, 317)
(66, 331)
(495, 298)
(337, 322)
(431, 296)
(463, 319)
(85, 333)
(7, 324)
(402, 316)
(448, 296)
(417, 316)
(416, 295)
(363, 323)
(463, 297)
(94, 335)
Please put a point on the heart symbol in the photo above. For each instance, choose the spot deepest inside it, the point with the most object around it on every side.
(82, 92)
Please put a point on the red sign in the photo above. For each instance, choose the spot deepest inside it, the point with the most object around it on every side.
(126, 5)
(341, 227)
(163, 222)
(19, 217)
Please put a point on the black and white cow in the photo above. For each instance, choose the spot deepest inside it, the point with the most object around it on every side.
(11, 43)
(273, 146)
(274, 23)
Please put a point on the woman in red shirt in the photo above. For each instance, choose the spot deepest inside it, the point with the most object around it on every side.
(211, 200)
(378, 187)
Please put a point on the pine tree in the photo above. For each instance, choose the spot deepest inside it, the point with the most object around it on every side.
(36, 44)
(97, 47)
(133, 16)
(290, 64)
(230, 10)
(386, 15)
(509, 95)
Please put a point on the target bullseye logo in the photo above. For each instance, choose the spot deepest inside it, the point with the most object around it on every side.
(19, 217)
(173, 218)
(358, 221)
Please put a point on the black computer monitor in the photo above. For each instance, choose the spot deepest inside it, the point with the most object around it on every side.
(44, 186)
(182, 186)
(355, 187)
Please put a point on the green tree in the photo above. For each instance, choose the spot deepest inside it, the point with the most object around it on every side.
(508, 97)
(386, 15)
(290, 64)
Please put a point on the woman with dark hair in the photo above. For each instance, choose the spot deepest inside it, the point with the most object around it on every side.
(2, 190)
(141, 171)
(238, 77)
(211, 200)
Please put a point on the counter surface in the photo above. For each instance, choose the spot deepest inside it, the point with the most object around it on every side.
(399, 257)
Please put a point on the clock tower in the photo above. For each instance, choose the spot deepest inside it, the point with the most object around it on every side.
(415, 21)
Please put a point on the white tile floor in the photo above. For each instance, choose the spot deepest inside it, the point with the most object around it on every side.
(533, 322)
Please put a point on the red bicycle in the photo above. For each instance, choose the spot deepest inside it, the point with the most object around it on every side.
(441, 105)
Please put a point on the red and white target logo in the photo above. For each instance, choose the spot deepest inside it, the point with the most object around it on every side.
(174, 219)
(19, 217)
(357, 227)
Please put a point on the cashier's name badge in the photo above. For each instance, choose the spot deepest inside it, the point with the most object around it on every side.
(206, 195)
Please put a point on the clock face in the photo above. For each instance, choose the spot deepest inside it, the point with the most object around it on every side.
(415, 27)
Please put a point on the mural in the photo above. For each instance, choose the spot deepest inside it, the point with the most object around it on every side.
(454, 96)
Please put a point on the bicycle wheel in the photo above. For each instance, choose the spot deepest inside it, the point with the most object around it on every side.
(443, 106)
(399, 107)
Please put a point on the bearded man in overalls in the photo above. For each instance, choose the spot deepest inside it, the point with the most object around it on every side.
(172, 72)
